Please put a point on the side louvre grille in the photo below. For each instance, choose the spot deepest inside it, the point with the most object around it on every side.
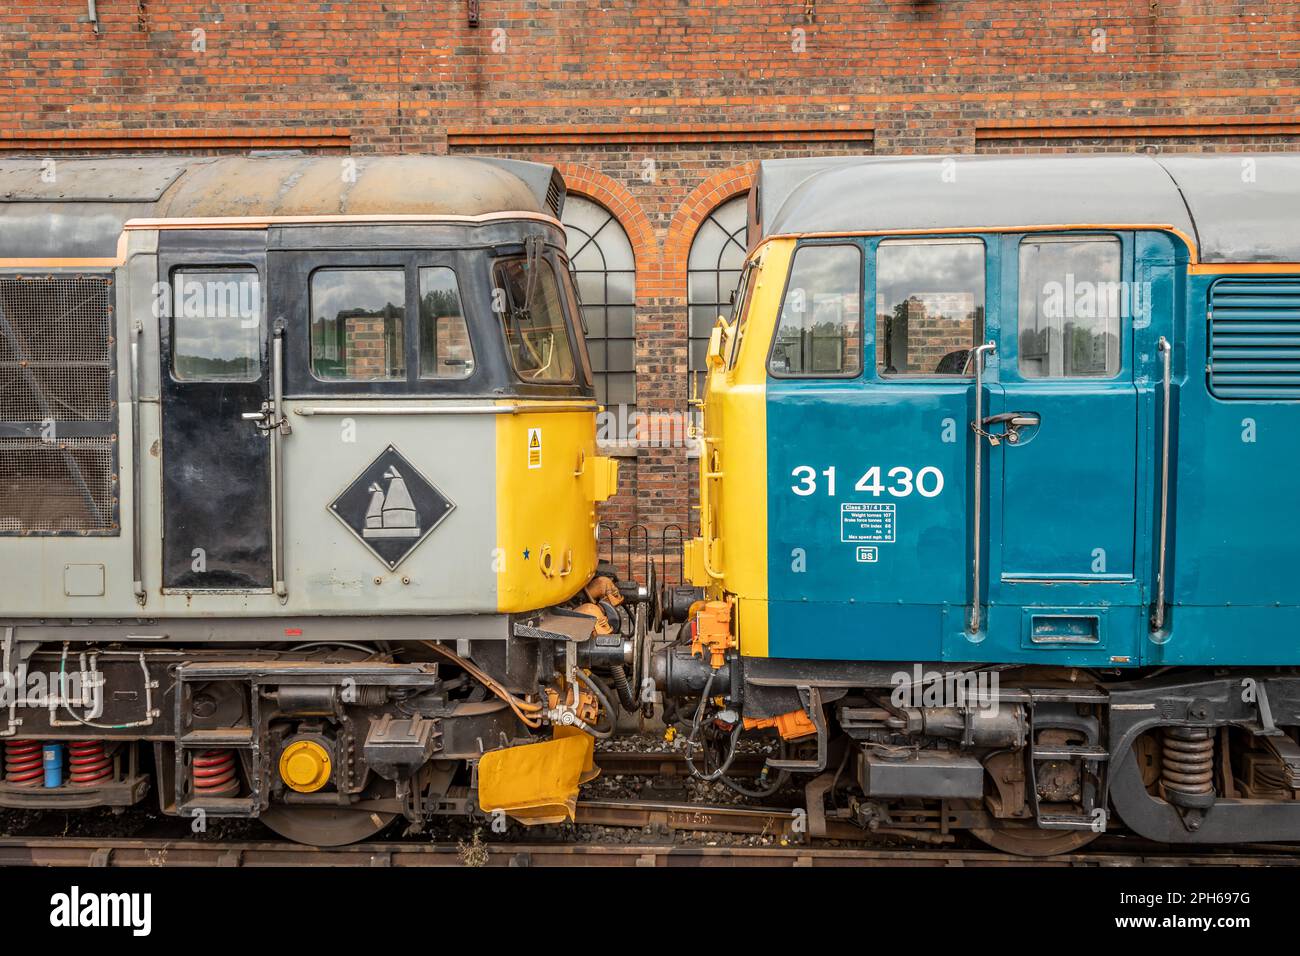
(1255, 338)
(555, 193)
(58, 413)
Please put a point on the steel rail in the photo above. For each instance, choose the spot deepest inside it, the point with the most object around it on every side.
(666, 763)
(135, 852)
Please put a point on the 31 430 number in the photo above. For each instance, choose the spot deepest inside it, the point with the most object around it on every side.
(899, 481)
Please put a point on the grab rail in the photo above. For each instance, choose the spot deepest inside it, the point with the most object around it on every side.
(977, 518)
(280, 427)
(529, 408)
(1158, 614)
(137, 534)
(708, 473)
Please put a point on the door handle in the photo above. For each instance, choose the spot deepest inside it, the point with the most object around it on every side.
(267, 420)
(1011, 423)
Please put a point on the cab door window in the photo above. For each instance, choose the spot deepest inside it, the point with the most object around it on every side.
(929, 305)
(1071, 299)
(216, 325)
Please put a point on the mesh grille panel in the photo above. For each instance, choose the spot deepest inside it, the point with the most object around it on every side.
(72, 393)
(56, 366)
(60, 326)
(66, 485)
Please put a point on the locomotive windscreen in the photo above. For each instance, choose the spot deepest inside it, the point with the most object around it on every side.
(57, 413)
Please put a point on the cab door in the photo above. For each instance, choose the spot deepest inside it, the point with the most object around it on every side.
(1064, 443)
(215, 459)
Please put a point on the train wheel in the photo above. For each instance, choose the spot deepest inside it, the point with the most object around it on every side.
(1025, 838)
(1032, 841)
(326, 826)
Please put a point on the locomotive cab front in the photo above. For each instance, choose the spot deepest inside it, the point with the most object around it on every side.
(969, 441)
(335, 552)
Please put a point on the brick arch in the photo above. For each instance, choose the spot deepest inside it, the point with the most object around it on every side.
(704, 198)
(614, 196)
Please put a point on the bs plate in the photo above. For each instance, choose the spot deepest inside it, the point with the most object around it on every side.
(391, 507)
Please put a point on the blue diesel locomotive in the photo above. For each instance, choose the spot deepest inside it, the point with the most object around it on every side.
(998, 497)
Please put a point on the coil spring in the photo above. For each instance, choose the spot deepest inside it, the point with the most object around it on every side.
(1187, 764)
(214, 773)
(24, 766)
(371, 695)
(88, 763)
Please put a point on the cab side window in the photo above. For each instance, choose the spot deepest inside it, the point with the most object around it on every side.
(740, 310)
(1070, 303)
(819, 334)
(536, 331)
(445, 349)
(358, 319)
(929, 305)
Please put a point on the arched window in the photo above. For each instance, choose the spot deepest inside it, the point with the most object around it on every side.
(600, 255)
(713, 271)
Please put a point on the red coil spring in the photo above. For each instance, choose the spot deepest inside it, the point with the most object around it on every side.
(214, 773)
(88, 763)
(23, 763)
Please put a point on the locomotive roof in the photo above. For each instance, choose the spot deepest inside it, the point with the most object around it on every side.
(1237, 208)
(76, 208)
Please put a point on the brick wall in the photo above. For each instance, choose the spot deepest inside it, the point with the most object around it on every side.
(369, 352)
(655, 109)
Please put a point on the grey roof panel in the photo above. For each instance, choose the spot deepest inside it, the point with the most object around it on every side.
(65, 230)
(1238, 208)
(544, 180)
(882, 194)
(1246, 208)
(81, 213)
(778, 178)
(79, 180)
(366, 186)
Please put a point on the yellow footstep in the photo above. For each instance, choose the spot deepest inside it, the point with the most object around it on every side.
(537, 783)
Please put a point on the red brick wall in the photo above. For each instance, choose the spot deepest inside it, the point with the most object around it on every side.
(656, 109)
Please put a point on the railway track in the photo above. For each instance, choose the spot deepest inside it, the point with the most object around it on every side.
(706, 818)
(666, 763)
(83, 852)
(782, 842)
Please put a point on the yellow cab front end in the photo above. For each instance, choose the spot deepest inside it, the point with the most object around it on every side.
(729, 558)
